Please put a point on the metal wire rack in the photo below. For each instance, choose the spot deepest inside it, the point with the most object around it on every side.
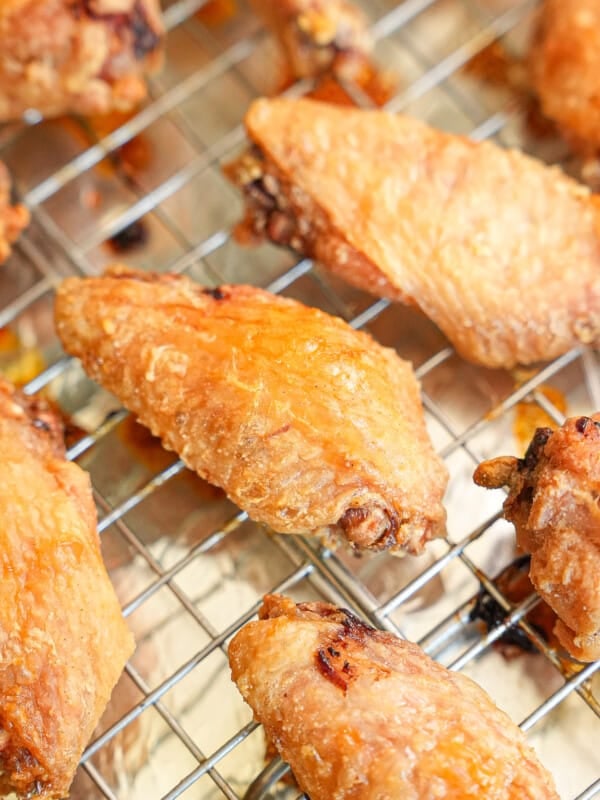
(190, 568)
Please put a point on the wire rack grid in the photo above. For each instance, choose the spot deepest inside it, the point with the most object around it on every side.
(191, 569)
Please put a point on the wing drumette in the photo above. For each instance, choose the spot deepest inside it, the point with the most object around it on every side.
(553, 503)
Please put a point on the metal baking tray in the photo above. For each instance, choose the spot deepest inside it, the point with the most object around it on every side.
(188, 566)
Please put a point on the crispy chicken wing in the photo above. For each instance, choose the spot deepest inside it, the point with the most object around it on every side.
(12, 218)
(363, 715)
(317, 35)
(307, 425)
(565, 69)
(81, 56)
(553, 503)
(500, 251)
(63, 641)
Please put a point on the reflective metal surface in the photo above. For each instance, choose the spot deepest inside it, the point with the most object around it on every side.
(190, 568)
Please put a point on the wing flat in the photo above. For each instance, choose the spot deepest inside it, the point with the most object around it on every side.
(499, 250)
(362, 715)
(308, 425)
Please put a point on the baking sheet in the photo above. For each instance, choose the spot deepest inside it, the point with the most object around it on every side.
(188, 567)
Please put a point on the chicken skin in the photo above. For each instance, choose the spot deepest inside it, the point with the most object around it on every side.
(13, 218)
(362, 715)
(565, 69)
(553, 503)
(308, 425)
(500, 251)
(76, 56)
(63, 641)
(317, 36)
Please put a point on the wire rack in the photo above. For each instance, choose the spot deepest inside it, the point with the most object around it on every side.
(189, 568)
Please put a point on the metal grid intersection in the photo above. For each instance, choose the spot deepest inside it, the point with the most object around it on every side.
(54, 248)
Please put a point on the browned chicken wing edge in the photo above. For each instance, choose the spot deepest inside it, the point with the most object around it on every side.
(285, 215)
(24, 770)
(511, 472)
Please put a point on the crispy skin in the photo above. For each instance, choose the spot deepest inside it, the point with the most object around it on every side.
(307, 425)
(362, 715)
(565, 69)
(317, 36)
(13, 218)
(63, 641)
(80, 56)
(553, 503)
(500, 251)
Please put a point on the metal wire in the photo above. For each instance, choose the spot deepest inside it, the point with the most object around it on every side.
(309, 564)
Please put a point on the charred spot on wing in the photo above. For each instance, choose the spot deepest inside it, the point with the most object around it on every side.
(328, 670)
(354, 627)
(145, 38)
(526, 495)
(258, 192)
(217, 293)
(46, 421)
(534, 451)
(333, 664)
(584, 425)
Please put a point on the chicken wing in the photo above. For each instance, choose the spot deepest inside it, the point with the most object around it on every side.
(565, 69)
(63, 641)
(308, 425)
(363, 715)
(500, 251)
(80, 56)
(13, 218)
(553, 503)
(317, 36)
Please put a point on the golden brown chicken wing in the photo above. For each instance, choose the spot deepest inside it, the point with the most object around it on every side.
(307, 425)
(13, 218)
(363, 715)
(553, 503)
(565, 69)
(500, 251)
(317, 36)
(81, 56)
(63, 641)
